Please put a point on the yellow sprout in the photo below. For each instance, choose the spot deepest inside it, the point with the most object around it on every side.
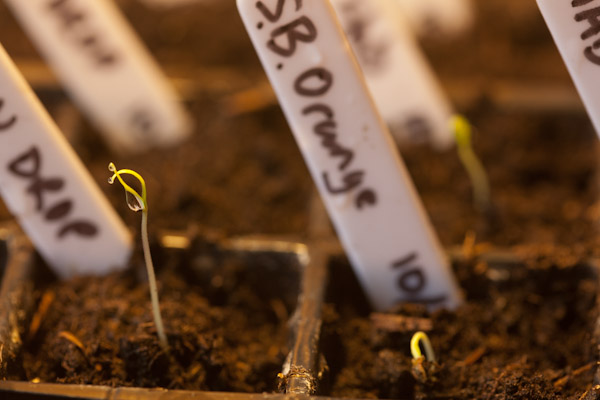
(137, 202)
(479, 180)
(141, 201)
(415, 349)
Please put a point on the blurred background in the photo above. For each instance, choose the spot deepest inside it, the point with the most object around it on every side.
(241, 171)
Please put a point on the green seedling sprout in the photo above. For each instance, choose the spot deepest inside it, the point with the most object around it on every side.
(479, 180)
(137, 202)
(415, 349)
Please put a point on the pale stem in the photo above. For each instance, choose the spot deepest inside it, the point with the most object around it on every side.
(160, 329)
(481, 185)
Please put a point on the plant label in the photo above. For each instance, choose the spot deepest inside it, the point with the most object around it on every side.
(575, 27)
(349, 152)
(106, 69)
(438, 17)
(49, 190)
(401, 81)
(174, 3)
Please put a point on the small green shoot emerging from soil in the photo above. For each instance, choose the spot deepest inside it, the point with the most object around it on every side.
(479, 180)
(415, 349)
(137, 202)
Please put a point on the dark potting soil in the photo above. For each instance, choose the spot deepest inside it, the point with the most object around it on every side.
(523, 333)
(225, 332)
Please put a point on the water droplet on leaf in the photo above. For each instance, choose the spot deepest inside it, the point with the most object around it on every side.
(134, 202)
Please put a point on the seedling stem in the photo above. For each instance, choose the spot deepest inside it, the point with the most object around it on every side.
(415, 349)
(137, 202)
(479, 180)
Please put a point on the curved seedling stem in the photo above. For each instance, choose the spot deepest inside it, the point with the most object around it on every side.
(138, 202)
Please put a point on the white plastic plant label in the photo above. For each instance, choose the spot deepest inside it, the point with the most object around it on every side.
(575, 27)
(49, 190)
(349, 152)
(402, 83)
(107, 71)
(174, 3)
(438, 17)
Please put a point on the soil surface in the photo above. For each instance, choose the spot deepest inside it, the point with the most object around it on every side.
(225, 332)
(523, 333)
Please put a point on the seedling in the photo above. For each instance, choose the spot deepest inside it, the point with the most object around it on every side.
(479, 180)
(137, 202)
(415, 349)
(422, 371)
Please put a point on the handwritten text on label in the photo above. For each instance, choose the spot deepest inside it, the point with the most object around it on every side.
(412, 280)
(312, 84)
(105, 67)
(9, 122)
(372, 51)
(75, 22)
(385, 54)
(28, 166)
(592, 17)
